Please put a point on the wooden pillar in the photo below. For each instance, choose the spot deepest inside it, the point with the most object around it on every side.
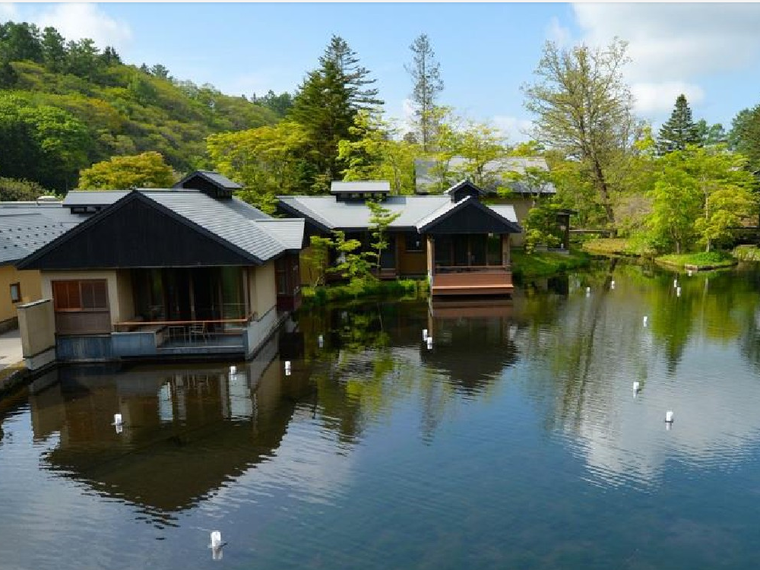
(505, 250)
(430, 255)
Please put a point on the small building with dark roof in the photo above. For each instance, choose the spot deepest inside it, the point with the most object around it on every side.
(460, 243)
(173, 272)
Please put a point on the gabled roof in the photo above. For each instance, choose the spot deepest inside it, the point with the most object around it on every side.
(232, 226)
(328, 213)
(214, 178)
(464, 185)
(447, 211)
(84, 198)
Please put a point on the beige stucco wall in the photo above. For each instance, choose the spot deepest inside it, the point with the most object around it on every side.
(31, 290)
(37, 327)
(119, 288)
(262, 288)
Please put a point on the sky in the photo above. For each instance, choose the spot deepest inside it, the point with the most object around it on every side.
(486, 51)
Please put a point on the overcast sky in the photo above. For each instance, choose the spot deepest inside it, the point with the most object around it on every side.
(709, 52)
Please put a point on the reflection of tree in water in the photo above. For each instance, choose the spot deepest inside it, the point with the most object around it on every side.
(373, 358)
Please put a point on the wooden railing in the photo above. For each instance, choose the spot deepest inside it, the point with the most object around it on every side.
(136, 325)
(498, 282)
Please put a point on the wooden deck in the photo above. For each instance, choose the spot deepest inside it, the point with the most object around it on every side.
(487, 282)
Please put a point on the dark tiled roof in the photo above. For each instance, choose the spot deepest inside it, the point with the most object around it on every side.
(221, 220)
(24, 229)
(83, 198)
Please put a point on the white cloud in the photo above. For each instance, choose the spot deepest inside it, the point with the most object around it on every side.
(676, 41)
(658, 98)
(515, 130)
(558, 33)
(8, 12)
(674, 47)
(78, 21)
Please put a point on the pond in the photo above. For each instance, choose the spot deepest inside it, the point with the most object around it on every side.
(515, 441)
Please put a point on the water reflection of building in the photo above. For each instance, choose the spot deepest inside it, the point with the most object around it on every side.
(473, 340)
(186, 431)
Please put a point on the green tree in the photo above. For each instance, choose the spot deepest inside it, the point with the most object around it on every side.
(379, 221)
(584, 109)
(352, 263)
(41, 143)
(679, 130)
(266, 160)
(378, 154)
(357, 78)
(53, 50)
(146, 170)
(20, 42)
(710, 135)
(326, 105)
(701, 195)
(13, 189)
(482, 146)
(278, 104)
(427, 84)
(744, 136)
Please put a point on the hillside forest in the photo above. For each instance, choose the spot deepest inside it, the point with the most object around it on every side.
(74, 116)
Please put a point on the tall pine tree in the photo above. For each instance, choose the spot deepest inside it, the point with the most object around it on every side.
(426, 78)
(326, 105)
(679, 130)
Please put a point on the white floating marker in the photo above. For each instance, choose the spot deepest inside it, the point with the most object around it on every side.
(675, 283)
(669, 417)
(688, 273)
(429, 342)
(645, 320)
(612, 284)
(233, 370)
(588, 291)
(216, 545)
(636, 387)
(287, 368)
(118, 423)
(424, 334)
(321, 341)
(678, 291)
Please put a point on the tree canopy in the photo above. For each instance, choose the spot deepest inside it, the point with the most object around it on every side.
(583, 108)
(146, 170)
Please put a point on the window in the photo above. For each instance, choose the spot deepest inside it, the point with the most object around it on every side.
(413, 242)
(85, 295)
(15, 292)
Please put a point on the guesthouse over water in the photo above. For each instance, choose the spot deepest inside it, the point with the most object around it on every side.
(460, 243)
(176, 272)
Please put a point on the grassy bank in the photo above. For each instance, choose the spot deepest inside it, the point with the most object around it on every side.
(398, 289)
(746, 253)
(698, 261)
(546, 263)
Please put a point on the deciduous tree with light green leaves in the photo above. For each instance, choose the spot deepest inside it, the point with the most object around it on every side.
(378, 154)
(584, 108)
(700, 196)
(379, 221)
(146, 170)
(267, 161)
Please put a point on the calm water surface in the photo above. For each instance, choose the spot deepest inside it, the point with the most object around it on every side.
(515, 442)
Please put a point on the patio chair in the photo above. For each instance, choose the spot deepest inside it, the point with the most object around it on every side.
(198, 330)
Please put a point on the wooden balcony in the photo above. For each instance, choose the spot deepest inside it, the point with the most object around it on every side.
(472, 281)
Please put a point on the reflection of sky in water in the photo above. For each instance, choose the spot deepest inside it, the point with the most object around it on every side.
(709, 385)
